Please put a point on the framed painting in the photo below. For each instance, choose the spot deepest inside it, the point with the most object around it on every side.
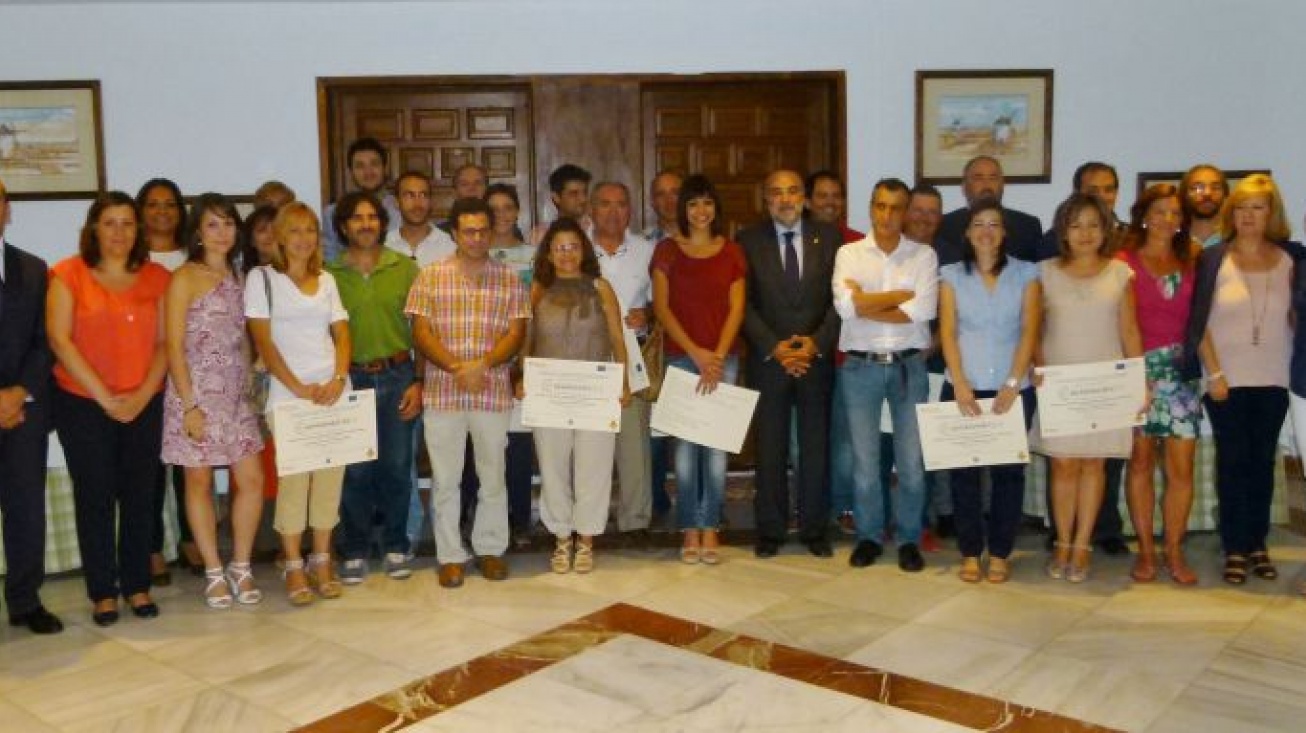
(51, 139)
(1150, 178)
(1006, 114)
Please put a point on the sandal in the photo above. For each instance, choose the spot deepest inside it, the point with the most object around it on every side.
(216, 593)
(710, 553)
(999, 570)
(1056, 568)
(241, 580)
(1178, 569)
(1144, 570)
(322, 576)
(561, 560)
(584, 561)
(1261, 565)
(297, 590)
(690, 552)
(1077, 570)
(970, 570)
(1235, 569)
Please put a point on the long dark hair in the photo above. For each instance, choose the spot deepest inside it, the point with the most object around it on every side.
(249, 257)
(1136, 234)
(221, 207)
(544, 273)
(968, 258)
(88, 244)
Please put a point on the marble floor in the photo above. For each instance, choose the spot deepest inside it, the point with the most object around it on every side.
(646, 643)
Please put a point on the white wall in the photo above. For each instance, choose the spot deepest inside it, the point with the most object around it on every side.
(221, 96)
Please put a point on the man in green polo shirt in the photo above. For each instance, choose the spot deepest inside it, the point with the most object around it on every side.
(373, 281)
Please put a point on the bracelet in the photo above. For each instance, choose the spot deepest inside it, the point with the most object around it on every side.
(1214, 376)
(339, 378)
(1011, 382)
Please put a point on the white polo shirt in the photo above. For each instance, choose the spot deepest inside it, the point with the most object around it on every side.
(437, 246)
(626, 270)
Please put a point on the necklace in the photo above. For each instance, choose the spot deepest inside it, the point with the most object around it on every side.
(1258, 317)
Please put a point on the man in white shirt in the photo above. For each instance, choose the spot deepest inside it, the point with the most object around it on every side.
(414, 235)
(886, 291)
(623, 259)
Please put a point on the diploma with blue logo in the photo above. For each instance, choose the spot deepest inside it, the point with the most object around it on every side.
(1088, 398)
(950, 439)
(310, 436)
(575, 395)
(718, 420)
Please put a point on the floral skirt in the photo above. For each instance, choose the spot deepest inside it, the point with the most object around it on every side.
(1176, 408)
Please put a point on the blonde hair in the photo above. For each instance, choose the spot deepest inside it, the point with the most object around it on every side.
(1257, 184)
(288, 215)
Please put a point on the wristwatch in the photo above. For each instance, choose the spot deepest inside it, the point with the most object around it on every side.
(1012, 382)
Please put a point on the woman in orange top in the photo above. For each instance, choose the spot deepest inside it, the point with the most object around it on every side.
(104, 316)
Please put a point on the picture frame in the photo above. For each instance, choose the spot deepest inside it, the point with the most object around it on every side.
(51, 139)
(244, 202)
(1003, 113)
(1150, 178)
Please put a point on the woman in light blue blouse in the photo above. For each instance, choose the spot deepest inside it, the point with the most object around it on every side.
(989, 313)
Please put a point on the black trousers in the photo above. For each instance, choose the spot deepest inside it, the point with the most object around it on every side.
(780, 394)
(22, 504)
(113, 466)
(1246, 428)
(1005, 503)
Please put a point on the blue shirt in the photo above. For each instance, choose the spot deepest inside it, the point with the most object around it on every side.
(988, 323)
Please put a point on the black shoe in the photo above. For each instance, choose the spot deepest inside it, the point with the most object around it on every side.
(910, 559)
(1113, 546)
(146, 610)
(865, 553)
(945, 526)
(105, 618)
(766, 548)
(819, 547)
(38, 621)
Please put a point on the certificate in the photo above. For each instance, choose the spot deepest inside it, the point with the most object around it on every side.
(310, 436)
(718, 420)
(570, 394)
(950, 439)
(1089, 398)
(636, 372)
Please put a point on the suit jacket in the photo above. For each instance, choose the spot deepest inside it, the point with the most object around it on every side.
(1024, 234)
(774, 310)
(25, 356)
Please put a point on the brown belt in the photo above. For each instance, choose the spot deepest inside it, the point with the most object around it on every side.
(382, 364)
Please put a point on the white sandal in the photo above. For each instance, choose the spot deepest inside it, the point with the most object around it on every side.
(238, 575)
(215, 580)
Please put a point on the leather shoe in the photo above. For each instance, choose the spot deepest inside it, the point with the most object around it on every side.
(451, 575)
(38, 621)
(105, 618)
(1113, 546)
(910, 559)
(766, 548)
(492, 567)
(149, 609)
(865, 553)
(820, 547)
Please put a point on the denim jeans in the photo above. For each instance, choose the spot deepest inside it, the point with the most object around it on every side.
(841, 455)
(382, 487)
(700, 471)
(866, 387)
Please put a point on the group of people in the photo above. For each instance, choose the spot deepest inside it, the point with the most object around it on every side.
(171, 336)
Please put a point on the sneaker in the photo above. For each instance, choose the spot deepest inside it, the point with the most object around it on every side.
(398, 565)
(353, 572)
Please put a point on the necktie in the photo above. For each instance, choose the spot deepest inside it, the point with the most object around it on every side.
(791, 261)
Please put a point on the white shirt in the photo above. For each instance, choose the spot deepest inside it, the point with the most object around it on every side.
(912, 266)
(301, 326)
(437, 246)
(626, 270)
(170, 260)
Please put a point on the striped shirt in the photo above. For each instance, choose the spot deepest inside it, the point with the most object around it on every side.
(469, 316)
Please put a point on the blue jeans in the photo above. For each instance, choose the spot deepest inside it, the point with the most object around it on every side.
(385, 486)
(841, 455)
(866, 387)
(700, 471)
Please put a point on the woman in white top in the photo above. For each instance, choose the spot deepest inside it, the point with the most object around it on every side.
(301, 331)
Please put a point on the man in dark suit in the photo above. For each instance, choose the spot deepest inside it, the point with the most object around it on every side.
(791, 326)
(25, 362)
(981, 179)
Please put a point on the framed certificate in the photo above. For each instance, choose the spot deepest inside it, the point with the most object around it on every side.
(1088, 398)
(950, 439)
(311, 436)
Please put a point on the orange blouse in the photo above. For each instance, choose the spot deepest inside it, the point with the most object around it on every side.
(115, 332)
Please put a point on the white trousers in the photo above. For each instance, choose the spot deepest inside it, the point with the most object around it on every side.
(576, 479)
(446, 440)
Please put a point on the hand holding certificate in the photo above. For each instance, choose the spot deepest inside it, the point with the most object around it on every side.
(950, 439)
(1075, 399)
(575, 395)
(718, 419)
(310, 436)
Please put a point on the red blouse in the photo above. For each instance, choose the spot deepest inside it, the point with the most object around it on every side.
(698, 291)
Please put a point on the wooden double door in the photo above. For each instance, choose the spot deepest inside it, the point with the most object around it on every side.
(734, 128)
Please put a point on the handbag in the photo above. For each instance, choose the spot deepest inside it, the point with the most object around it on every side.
(655, 364)
(260, 380)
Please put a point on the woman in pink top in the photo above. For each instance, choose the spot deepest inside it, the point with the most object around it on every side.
(1158, 248)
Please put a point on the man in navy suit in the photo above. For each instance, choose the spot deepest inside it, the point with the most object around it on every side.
(982, 178)
(25, 362)
(791, 327)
